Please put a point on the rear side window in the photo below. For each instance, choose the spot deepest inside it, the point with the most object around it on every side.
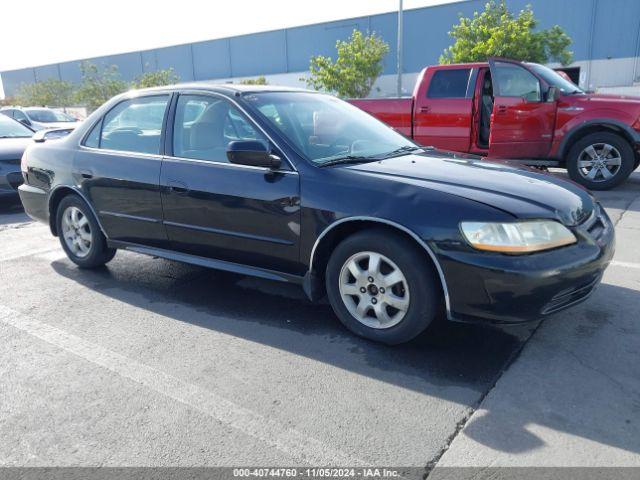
(450, 83)
(134, 125)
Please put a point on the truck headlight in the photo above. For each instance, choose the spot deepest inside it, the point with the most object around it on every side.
(517, 237)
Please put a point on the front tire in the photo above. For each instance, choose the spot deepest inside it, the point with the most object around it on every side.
(80, 234)
(382, 287)
(600, 161)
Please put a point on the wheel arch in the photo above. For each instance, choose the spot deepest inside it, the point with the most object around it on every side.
(56, 196)
(598, 125)
(333, 234)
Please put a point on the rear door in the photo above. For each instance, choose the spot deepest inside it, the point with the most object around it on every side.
(522, 122)
(118, 169)
(443, 108)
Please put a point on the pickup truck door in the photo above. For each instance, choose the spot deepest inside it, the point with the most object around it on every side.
(523, 121)
(443, 108)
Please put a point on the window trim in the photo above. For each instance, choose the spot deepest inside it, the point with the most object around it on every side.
(440, 71)
(168, 152)
(100, 121)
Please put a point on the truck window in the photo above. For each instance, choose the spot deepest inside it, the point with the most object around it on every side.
(449, 83)
(515, 81)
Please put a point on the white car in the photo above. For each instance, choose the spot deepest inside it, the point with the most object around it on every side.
(40, 118)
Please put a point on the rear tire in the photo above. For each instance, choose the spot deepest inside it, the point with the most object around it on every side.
(80, 235)
(400, 302)
(600, 161)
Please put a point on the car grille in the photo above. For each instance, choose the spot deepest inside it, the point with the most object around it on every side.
(596, 225)
(569, 297)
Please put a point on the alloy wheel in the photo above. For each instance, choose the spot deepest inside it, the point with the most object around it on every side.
(599, 162)
(374, 290)
(76, 231)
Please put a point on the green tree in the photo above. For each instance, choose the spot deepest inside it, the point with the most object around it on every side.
(497, 32)
(354, 72)
(99, 85)
(156, 78)
(254, 81)
(51, 92)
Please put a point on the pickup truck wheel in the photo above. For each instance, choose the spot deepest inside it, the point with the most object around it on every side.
(600, 161)
(382, 287)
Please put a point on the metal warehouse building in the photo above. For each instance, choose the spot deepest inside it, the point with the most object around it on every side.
(605, 33)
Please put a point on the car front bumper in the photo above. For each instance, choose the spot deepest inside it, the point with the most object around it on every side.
(10, 177)
(513, 289)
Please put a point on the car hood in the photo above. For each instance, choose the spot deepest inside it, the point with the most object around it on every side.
(520, 192)
(13, 148)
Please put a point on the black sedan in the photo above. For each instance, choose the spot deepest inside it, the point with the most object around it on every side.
(14, 139)
(302, 187)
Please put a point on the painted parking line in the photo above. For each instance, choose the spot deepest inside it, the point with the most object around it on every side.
(8, 256)
(292, 442)
(615, 263)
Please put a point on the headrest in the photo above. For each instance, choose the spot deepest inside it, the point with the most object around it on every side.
(208, 131)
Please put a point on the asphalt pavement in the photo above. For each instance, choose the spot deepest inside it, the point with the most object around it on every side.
(148, 362)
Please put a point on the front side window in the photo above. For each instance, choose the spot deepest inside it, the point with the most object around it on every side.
(449, 83)
(134, 125)
(515, 81)
(204, 126)
(323, 128)
(18, 115)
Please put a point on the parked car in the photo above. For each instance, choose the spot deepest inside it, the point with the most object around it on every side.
(305, 188)
(513, 110)
(40, 118)
(14, 139)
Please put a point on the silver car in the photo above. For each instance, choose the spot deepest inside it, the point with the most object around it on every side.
(40, 118)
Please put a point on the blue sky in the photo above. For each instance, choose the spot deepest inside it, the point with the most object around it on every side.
(50, 31)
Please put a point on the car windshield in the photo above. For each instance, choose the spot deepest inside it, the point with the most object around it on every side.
(46, 115)
(326, 130)
(10, 128)
(554, 79)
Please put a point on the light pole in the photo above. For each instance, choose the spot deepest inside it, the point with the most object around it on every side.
(399, 80)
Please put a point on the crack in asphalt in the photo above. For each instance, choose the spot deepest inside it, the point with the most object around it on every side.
(512, 359)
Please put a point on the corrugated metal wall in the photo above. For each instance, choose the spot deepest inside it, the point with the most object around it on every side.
(601, 30)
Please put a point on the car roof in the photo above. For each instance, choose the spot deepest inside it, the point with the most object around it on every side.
(229, 88)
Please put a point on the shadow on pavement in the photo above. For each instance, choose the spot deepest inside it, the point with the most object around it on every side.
(11, 211)
(459, 362)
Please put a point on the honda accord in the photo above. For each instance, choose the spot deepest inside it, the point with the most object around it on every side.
(302, 187)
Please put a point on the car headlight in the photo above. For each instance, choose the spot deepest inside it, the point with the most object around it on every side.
(517, 237)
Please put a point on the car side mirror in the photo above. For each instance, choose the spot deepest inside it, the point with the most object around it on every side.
(253, 153)
(552, 94)
(51, 134)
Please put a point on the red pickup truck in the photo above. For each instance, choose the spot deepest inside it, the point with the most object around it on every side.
(515, 110)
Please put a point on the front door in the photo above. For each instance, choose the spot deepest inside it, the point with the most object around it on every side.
(118, 169)
(523, 121)
(212, 208)
(443, 112)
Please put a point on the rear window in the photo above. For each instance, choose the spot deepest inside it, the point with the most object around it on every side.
(450, 83)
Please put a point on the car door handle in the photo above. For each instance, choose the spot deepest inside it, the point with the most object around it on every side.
(88, 174)
(425, 109)
(502, 109)
(180, 188)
